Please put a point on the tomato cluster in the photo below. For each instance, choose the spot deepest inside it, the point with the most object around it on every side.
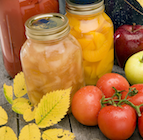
(112, 104)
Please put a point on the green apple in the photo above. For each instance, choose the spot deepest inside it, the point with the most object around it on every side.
(134, 68)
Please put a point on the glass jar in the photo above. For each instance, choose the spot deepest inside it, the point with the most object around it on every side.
(51, 57)
(93, 29)
(13, 14)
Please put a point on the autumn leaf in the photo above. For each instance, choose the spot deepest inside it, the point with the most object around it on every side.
(20, 105)
(8, 93)
(57, 134)
(30, 132)
(19, 85)
(52, 108)
(29, 114)
(3, 116)
(140, 2)
(6, 133)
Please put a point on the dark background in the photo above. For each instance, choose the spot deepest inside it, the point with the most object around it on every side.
(122, 13)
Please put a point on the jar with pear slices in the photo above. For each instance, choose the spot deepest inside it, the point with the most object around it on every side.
(51, 57)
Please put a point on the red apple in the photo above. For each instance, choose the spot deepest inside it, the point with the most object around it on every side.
(128, 39)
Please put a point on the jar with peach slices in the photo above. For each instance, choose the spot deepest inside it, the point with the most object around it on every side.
(51, 57)
(94, 30)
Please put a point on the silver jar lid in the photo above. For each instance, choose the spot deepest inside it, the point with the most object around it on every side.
(45, 27)
(85, 9)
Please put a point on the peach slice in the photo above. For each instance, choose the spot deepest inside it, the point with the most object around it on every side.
(90, 81)
(107, 70)
(96, 55)
(72, 20)
(87, 68)
(97, 37)
(94, 69)
(84, 42)
(104, 66)
(75, 33)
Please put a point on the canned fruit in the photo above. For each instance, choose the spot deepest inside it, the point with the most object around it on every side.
(95, 35)
(54, 66)
(84, 42)
(96, 55)
(106, 64)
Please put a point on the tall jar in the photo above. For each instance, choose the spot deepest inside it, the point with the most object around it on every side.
(13, 14)
(51, 57)
(93, 29)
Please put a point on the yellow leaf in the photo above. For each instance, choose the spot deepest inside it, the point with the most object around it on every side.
(19, 85)
(29, 114)
(8, 93)
(140, 2)
(20, 105)
(52, 108)
(6, 133)
(3, 116)
(30, 132)
(57, 134)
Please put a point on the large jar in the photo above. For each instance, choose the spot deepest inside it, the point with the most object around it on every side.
(51, 57)
(13, 14)
(93, 29)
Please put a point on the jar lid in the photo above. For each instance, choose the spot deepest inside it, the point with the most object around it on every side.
(83, 1)
(47, 27)
(85, 9)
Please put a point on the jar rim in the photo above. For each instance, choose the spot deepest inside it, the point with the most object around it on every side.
(85, 9)
(49, 26)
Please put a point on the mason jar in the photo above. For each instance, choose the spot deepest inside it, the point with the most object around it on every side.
(94, 30)
(51, 57)
(13, 15)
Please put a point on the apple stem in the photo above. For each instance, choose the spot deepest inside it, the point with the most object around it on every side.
(141, 60)
(138, 29)
(133, 27)
(134, 24)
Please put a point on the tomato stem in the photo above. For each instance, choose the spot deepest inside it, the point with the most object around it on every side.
(131, 92)
(137, 108)
(117, 93)
(118, 101)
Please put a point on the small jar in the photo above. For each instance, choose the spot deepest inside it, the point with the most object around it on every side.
(93, 29)
(51, 57)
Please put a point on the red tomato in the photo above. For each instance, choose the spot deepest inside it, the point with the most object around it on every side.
(137, 99)
(140, 125)
(109, 80)
(86, 105)
(117, 123)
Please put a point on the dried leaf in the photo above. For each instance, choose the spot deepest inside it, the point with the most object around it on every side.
(8, 93)
(140, 2)
(30, 132)
(52, 108)
(19, 85)
(3, 116)
(6, 133)
(20, 105)
(57, 134)
(29, 114)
